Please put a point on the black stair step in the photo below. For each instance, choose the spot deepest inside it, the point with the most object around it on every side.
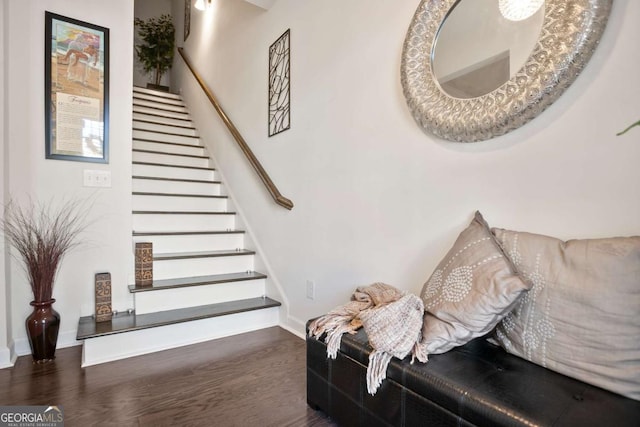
(164, 101)
(163, 124)
(166, 133)
(202, 196)
(173, 166)
(186, 282)
(164, 153)
(137, 102)
(182, 213)
(164, 116)
(155, 92)
(159, 178)
(166, 110)
(125, 322)
(167, 143)
(202, 254)
(185, 233)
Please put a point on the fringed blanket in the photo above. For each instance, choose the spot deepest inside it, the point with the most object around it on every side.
(391, 318)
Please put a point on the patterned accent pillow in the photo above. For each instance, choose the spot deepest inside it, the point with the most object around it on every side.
(582, 316)
(470, 291)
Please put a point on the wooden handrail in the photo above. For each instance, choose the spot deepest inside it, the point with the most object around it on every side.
(264, 176)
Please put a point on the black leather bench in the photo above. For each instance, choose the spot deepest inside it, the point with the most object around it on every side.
(478, 384)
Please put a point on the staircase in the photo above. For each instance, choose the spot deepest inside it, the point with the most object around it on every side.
(204, 285)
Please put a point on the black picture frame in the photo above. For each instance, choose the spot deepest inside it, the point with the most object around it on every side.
(280, 84)
(76, 90)
(187, 19)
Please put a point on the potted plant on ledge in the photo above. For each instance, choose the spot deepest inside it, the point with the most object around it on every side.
(42, 235)
(155, 53)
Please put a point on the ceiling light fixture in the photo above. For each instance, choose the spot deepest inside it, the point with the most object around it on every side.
(519, 10)
(202, 4)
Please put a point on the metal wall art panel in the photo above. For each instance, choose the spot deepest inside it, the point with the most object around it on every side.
(279, 84)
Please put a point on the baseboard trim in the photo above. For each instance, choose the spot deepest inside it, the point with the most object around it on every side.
(65, 339)
(5, 358)
(295, 326)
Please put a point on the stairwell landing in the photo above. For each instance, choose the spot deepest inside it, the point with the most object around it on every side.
(204, 286)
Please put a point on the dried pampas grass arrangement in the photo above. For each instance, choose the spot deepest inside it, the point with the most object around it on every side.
(43, 233)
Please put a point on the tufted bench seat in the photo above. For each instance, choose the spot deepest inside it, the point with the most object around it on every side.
(477, 384)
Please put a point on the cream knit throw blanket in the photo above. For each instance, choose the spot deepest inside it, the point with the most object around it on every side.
(391, 318)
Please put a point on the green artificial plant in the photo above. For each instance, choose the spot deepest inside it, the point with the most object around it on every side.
(155, 53)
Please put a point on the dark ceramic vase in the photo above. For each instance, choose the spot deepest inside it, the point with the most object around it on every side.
(42, 328)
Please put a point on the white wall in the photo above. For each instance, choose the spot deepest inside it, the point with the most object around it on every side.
(145, 9)
(376, 199)
(107, 242)
(5, 357)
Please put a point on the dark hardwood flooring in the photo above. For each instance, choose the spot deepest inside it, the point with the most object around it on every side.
(253, 379)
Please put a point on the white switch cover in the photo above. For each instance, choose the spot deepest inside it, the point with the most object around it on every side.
(311, 289)
(97, 178)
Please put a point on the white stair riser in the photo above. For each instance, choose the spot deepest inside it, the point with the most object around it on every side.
(170, 299)
(176, 222)
(191, 150)
(155, 98)
(159, 106)
(158, 93)
(120, 346)
(164, 128)
(154, 136)
(155, 111)
(177, 187)
(170, 159)
(170, 203)
(173, 269)
(161, 120)
(173, 172)
(194, 242)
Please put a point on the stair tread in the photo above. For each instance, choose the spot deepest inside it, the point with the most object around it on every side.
(162, 113)
(202, 196)
(166, 153)
(164, 100)
(160, 178)
(88, 328)
(163, 124)
(137, 102)
(166, 133)
(160, 93)
(158, 118)
(166, 142)
(211, 279)
(185, 233)
(202, 254)
(183, 213)
(173, 166)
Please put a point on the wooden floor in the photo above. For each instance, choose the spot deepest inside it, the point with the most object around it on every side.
(255, 379)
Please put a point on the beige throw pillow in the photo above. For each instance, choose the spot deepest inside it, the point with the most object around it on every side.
(470, 291)
(582, 316)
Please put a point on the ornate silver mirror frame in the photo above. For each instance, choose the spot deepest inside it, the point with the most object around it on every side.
(570, 33)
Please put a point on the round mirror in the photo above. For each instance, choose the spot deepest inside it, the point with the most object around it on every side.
(544, 58)
(482, 44)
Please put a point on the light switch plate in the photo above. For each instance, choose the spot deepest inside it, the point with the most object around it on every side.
(97, 178)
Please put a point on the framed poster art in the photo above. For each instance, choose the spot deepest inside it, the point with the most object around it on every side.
(76, 90)
(279, 84)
